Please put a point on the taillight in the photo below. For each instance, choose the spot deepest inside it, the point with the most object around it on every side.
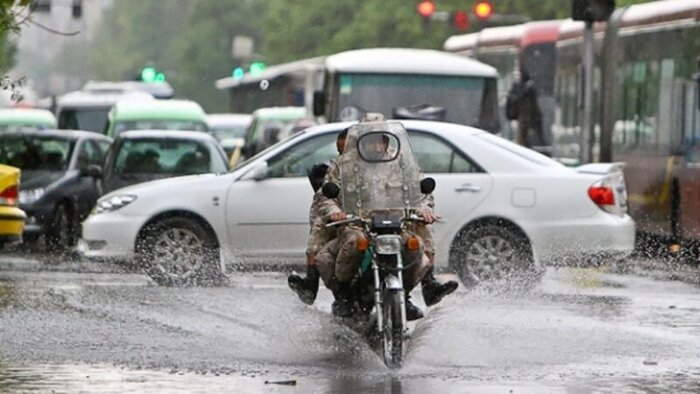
(9, 195)
(603, 196)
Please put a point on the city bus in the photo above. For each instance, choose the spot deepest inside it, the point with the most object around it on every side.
(398, 82)
(512, 50)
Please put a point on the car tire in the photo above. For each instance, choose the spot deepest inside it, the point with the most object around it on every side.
(60, 233)
(179, 251)
(494, 254)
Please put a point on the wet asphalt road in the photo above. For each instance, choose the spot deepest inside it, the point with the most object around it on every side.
(73, 327)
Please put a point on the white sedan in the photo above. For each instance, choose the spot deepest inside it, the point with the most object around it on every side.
(505, 209)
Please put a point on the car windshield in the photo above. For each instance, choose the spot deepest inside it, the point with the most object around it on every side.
(36, 153)
(227, 132)
(91, 119)
(15, 127)
(163, 156)
(160, 125)
(266, 150)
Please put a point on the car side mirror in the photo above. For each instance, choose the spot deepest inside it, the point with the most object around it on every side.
(319, 103)
(93, 171)
(258, 172)
(427, 185)
(330, 190)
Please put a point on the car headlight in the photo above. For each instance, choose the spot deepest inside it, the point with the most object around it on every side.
(30, 196)
(113, 203)
(388, 244)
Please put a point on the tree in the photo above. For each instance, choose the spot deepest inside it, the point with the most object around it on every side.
(13, 13)
(204, 55)
(189, 41)
(320, 27)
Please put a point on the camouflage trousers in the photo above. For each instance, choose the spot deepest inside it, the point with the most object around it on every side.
(339, 260)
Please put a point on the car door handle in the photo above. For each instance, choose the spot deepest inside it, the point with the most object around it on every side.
(468, 187)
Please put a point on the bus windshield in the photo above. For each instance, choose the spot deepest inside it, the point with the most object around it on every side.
(466, 100)
(91, 119)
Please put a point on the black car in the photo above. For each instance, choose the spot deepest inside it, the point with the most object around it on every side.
(145, 155)
(60, 180)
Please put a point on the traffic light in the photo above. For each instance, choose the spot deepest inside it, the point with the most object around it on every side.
(151, 74)
(592, 10)
(426, 8)
(238, 73)
(460, 20)
(256, 68)
(483, 9)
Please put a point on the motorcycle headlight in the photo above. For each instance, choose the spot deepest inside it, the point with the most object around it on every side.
(30, 196)
(388, 244)
(113, 203)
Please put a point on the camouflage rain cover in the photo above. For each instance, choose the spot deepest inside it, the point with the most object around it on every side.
(378, 170)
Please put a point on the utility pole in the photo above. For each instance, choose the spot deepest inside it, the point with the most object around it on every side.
(589, 11)
(587, 135)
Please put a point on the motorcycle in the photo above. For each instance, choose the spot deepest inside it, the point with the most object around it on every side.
(384, 213)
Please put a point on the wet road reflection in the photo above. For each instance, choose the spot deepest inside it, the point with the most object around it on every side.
(108, 331)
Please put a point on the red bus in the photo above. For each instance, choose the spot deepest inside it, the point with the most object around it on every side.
(646, 110)
(513, 50)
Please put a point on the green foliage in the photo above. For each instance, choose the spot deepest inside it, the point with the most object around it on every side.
(191, 40)
(318, 27)
(12, 14)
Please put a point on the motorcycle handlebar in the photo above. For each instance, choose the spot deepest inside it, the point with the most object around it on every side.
(352, 219)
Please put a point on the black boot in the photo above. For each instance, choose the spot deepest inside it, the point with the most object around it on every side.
(306, 288)
(434, 291)
(344, 304)
(412, 312)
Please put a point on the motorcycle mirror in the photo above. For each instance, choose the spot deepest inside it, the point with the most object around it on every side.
(330, 190)
(427, 185)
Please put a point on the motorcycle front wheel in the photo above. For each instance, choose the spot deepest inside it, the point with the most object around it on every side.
(392, 336)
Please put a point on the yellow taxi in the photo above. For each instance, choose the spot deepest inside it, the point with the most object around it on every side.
(11, 217)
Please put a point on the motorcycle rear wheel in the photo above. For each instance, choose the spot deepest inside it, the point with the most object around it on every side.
(392, 337)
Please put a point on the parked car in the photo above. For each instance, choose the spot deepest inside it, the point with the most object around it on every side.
(156, 115)
(229, 130)
(89, 111)
(266, 127)
(146, 155)
(60, 179)
(14, 119)
(11, 217)
(505, 207)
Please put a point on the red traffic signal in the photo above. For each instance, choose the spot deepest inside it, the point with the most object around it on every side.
(460, 20)
(483, 9)
(426, 8)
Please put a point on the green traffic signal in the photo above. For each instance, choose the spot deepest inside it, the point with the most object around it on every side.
(238, 73)
(256, 68)
(148, 74)
(151, 75)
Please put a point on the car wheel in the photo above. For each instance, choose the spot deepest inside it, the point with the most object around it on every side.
(60, 232)
(178, 251)
(494, 253)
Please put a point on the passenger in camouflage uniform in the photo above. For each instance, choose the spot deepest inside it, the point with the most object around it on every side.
(319, 234)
